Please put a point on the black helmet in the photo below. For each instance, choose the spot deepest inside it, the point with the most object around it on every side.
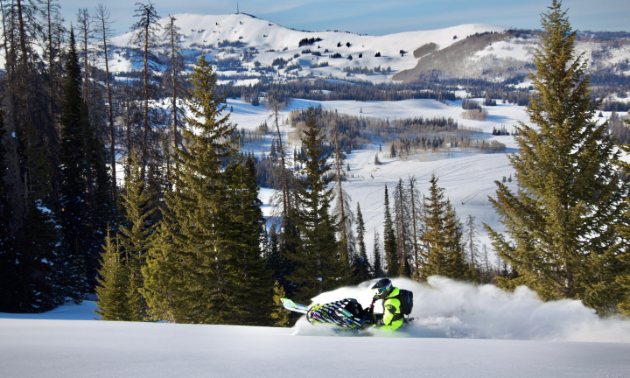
(383, 288)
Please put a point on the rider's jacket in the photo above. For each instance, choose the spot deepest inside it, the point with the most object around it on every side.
(392, 317)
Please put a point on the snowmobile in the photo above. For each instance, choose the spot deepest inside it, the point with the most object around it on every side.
(342, 316)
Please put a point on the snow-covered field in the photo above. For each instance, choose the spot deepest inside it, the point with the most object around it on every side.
(467, 178)
(461, 331)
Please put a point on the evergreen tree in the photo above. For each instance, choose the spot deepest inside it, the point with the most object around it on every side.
(112, 283)
(191, 219)
(378, 266)
(391, 253)
(624, 230)
(442, 237)
(29, 260)
(135, 237)
(473, 250)
(252, 288)
(279, 316)
(403, 222)
(161, 276)
(73, 199)
(361, 232)
(320, 265)
(415, 200)
(361, 265)
(562, 221)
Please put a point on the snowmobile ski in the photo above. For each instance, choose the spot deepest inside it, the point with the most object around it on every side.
(295, 307)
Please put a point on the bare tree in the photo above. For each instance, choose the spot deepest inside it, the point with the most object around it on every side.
(343, 199)
(85, 27)
(173, 73)
(144, 36)
(276, 101)
(104, 31)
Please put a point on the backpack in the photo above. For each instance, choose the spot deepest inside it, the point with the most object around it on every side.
(406, 301)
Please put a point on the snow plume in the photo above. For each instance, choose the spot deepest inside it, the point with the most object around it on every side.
(448, 308)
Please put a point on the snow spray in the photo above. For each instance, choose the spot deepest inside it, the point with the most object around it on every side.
(453, 309)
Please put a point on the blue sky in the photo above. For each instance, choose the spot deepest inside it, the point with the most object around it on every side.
(380, 17)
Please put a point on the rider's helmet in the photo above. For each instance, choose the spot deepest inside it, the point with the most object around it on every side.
(382, 288)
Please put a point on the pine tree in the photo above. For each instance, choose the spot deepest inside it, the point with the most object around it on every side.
(361, 232)
(562, 221)
(402, 222)
(415, 200)
(135, 237)
(112, 283)
(391, 253)
(623, 280)
(471, 241)
(442, 237)
(252, 287)
(191, 219)
(162, 276)
(361, 268)
(279, 316)
(73, 199)
(320, 265)
(378, 266)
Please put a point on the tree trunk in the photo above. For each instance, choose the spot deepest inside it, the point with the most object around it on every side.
(145, 118)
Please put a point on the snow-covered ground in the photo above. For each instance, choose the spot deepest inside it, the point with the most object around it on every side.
(467, 177)
(275, 41)
(461, 331)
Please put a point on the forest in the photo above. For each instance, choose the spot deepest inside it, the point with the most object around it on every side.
(181, 236)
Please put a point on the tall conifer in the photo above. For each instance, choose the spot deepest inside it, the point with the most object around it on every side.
(561, 224)
(252, 285)
(112, 283)
(191, 218)
(442, 237)
(389, 236)
(378, 265)
(135, 237)
(321, 265)
(73, 199)
(624, 230)
(361, 264)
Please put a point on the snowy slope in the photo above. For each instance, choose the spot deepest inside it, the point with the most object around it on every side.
(461, 331)
(467, 178)
(205, 31)
(272, 41)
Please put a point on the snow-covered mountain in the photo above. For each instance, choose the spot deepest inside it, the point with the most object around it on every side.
(225, 36)
(255, 47)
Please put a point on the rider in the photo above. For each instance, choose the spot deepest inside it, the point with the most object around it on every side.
(392, 318)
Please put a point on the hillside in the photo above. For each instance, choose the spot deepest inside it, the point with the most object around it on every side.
(231, 36)
(248, 50)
